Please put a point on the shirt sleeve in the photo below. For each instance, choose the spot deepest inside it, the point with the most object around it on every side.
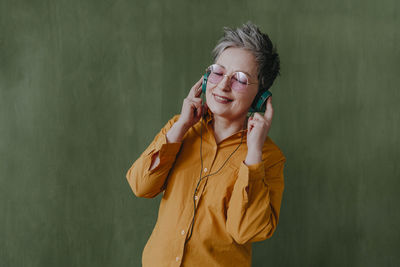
(254, 206)
(149, 183)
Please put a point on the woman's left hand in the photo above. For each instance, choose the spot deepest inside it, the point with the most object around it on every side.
(257, 131)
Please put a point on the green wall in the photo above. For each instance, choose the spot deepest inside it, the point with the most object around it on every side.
(86, 85)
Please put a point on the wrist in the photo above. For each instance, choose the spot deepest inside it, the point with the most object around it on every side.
(176, 133)
(182, 127)
(253, 157)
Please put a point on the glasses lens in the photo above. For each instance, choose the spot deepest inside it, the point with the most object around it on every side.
(239, 81)
(216, 73)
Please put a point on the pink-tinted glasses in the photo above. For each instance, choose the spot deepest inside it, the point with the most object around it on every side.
(238, 80)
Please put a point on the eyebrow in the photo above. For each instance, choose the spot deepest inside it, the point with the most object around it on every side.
(236, 70)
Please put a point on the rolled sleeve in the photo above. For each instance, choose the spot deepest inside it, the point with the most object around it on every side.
(149, 183)
(167, 153)
(254, 206)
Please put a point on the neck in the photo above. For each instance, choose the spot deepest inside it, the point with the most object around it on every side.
(224, 128)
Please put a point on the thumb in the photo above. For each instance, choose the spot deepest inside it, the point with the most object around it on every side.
(249, 125)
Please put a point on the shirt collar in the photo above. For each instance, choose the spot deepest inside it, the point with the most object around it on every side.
(209, 116)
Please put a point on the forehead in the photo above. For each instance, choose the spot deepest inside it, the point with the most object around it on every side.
(238, 59)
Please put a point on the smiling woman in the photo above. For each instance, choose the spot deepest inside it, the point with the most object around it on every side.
(216, 203)
(229, 116)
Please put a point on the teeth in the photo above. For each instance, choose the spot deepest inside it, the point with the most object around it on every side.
(221, 98)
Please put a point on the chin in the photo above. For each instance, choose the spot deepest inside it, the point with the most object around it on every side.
(221, 111)
(224, 113)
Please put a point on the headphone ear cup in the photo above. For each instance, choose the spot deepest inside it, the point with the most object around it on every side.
(259, 102)
(204, 85)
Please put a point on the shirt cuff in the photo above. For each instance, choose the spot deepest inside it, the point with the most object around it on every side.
(254, 171)
(166, 150)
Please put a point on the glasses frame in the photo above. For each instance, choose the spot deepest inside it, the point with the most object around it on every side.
(208, 69)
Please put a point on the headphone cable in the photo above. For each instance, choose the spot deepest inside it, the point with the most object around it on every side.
(206, 176)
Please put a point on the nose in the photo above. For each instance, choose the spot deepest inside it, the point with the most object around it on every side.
(224, 84)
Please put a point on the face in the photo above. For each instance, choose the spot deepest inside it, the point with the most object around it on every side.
(235, 109)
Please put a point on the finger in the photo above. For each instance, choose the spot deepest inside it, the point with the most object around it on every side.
(191, 103)
(197, 108)
(269, 111)
(199, 89)
(251, 127)
(196, 100)
(200, 111)
(195, 89)
(192, 91)
(250, 124)
(256, 123)
(258, 116)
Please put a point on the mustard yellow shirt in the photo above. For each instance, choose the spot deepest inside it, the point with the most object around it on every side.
(238, 205)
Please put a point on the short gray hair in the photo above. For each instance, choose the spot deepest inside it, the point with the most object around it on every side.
(249, 37)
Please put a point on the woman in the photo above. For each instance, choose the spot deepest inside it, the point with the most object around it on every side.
(220, 174)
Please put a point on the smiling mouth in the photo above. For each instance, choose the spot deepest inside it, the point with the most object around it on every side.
(221, 99)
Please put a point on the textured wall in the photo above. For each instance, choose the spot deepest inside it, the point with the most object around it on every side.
(85, 86)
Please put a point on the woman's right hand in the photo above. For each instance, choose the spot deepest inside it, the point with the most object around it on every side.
(191, 113)
(192, 107)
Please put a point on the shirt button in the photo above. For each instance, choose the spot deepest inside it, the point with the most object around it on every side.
(177, 258)
(205, 169)
(183, 232)
(196, 197)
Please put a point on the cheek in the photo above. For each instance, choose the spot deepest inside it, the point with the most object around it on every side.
(208, 95)
(208, 92)
(252, 97)
(246, 102)
(208, 87)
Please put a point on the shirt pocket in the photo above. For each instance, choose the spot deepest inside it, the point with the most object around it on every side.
(218, 190)
(180, 179)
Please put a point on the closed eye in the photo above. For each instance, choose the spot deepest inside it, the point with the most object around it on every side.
(242, 82)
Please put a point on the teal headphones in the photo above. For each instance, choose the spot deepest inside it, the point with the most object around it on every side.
(259, 101)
